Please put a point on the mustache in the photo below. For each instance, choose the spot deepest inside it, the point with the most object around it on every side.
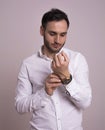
(56, 43)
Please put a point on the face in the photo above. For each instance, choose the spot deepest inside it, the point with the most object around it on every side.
(54, 35)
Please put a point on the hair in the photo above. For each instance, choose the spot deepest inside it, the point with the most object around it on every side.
(54, 15)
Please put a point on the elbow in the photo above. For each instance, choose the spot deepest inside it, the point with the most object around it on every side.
(82, 103)
(19, 107)
(86, 100)
(85, 103)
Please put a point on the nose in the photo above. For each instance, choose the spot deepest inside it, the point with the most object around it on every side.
(57, 39)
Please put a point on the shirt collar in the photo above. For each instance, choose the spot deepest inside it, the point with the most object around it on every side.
(40, 54)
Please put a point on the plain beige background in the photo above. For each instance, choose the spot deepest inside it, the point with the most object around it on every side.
(20, 38)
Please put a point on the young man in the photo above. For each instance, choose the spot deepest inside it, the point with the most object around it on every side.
(53, 84)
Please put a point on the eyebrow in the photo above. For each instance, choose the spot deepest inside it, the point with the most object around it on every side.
(56, 32)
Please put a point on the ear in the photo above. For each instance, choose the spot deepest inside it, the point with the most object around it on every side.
(42, 30)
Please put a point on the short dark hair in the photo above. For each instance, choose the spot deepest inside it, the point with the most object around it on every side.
(54, 15)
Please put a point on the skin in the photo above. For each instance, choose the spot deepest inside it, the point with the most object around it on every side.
(54, 36)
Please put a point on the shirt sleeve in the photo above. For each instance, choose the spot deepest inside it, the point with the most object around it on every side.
(79, 88)
(26, 100)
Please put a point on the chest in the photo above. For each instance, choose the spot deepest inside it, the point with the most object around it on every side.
(38, 72)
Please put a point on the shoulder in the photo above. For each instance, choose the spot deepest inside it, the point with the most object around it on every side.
(30, 60)
(72, 54)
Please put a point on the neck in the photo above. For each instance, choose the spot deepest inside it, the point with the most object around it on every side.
(47, 53)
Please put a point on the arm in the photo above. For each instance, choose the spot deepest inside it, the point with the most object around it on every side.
(25, 100)
(79, 88)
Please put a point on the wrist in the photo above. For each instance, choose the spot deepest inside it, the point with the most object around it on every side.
(65, 78)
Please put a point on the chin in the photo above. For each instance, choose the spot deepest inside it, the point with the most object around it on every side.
(56, 51)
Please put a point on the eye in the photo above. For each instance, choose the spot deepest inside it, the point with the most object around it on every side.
(52, 33)
(63, 34)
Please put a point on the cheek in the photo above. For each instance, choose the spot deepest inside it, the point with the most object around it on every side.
(49, 39)
(63, 39)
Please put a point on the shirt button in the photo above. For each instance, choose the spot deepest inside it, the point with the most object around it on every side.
(58, 119)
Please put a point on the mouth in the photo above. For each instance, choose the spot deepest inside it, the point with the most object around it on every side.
(56, 45)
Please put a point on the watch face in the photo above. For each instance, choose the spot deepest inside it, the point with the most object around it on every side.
(66, 81)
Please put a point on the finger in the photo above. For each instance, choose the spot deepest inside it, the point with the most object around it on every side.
(66, 58)
(54, 79)
(53, 64)
(56, 60)
(55, 85)
(61, 58)
(53, 75)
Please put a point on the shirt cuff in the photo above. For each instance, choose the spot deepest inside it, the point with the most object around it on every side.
(40, 99)
(72, 88)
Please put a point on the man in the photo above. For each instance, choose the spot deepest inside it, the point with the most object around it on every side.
(53, 84)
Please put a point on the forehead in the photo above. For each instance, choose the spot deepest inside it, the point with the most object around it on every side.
(57, 26)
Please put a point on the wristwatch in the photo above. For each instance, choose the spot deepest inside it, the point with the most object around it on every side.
(66, 80)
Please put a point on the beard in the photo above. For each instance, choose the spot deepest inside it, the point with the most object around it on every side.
(50, 47)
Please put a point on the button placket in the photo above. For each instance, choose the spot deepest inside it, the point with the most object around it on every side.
(58, 110)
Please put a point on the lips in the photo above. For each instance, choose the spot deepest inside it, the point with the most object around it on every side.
(55, 45)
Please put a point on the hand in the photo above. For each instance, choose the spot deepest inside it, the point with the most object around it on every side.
(51, 83)
(60, 64)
